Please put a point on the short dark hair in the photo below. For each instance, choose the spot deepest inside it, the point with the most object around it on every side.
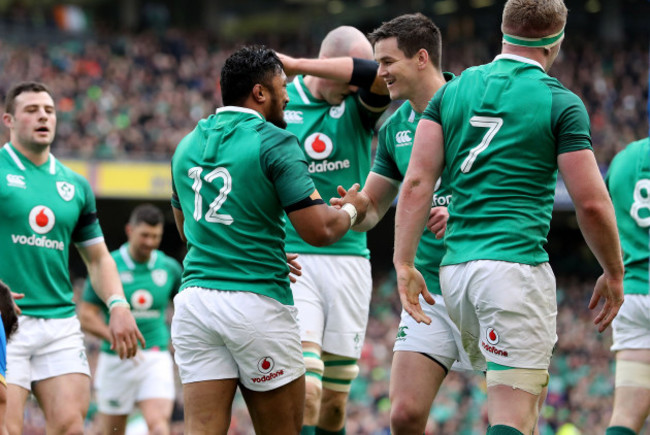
(244, 69)
(148, 214)
(9, 316)
(413, 32)
(10, 99)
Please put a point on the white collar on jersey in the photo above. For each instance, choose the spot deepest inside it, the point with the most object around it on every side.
(124, 253)
(300, 90)
(520, 59)
(238, 109)
(10, 150)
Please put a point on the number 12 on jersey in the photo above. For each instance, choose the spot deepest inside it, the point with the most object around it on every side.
(212, 215)
(493, 124)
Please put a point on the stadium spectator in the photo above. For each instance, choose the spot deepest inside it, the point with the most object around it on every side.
(495, 275)
(45, 207)
(334, 125)
(150, 280)
(628, 181)
(234, 177)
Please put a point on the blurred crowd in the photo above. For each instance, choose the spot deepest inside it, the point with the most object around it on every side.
(135, 96)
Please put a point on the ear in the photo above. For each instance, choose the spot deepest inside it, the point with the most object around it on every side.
(422, 57)
(7, 119)
(259, 93)
(127, 230)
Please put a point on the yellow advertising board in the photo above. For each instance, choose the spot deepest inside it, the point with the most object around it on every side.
(113, 179)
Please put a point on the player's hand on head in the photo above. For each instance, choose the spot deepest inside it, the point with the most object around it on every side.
(289, 64)
(14, 297)
(611, 291)
(437, 222)
(295, 269)
(410, 285)
(125, 334)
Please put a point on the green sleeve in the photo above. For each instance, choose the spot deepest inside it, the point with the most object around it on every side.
(175, 201)
(570, 122)
(285, 165)
(90, 296)
(87, 227)
(384, 163)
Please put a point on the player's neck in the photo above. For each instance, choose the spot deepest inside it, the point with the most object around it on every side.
(311, 82)
(138, 258)
(536, 54)
(426, 90)
(35, 154)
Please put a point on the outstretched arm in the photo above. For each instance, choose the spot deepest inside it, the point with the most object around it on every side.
(413, 206)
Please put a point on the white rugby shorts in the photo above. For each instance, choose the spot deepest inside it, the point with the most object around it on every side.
(631, 327)
(236, 335)
(439, 340)
(120, 384)
(506, 312)
(333, 301)
(45, 348)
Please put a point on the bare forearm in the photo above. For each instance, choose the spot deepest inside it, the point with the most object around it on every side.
(411, 217)
(598, 225)
(336, 68)
(95, 325)
(104, 278)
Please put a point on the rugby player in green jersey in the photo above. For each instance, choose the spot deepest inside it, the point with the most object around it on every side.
(332, 110)
(408, 50)
(628, 181)
(150, 280)
(46, 206)
(502, 130)
(234, 178)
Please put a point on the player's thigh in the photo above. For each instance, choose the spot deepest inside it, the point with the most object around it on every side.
(309, 299)
(513, 305)
(116, 384)
(278, 411)
(64, 397)
(208, 405)
(156, 411)
(16, 399)
(348, 291)
(112, 424)
(631, 327)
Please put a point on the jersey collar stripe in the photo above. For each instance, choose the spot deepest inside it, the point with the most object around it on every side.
(238, 109)
(301, 91)
(152, 259)
(520, 59)
(126, 257)
(13, 156)
(52, 164)
(91, 242)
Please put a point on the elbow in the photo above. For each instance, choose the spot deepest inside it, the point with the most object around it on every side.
(595, 208)
(323, 237)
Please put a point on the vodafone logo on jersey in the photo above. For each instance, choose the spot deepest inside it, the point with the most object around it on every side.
(491, 336)
(318, 146)
(141, 300)
(41, 219)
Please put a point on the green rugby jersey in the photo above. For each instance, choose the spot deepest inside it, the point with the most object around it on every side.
(336, 141)
(234, 175)
(43, 209)
(504, 124)
(392, 159)
(628, 181)
(148, 287)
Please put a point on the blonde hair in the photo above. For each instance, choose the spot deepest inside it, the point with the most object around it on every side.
(533, 18)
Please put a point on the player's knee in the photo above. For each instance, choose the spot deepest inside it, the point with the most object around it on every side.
(404, 416)
(158, 427)
(531, 381)
(339, 373)
(632, 374)
(314, 374)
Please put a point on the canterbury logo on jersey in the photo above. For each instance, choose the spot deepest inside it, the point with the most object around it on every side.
(403, 138)
(16, 181)
(293, 117)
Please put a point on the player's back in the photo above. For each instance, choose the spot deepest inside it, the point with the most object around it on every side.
(502, 124)
(233, 217)
(628, 181)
